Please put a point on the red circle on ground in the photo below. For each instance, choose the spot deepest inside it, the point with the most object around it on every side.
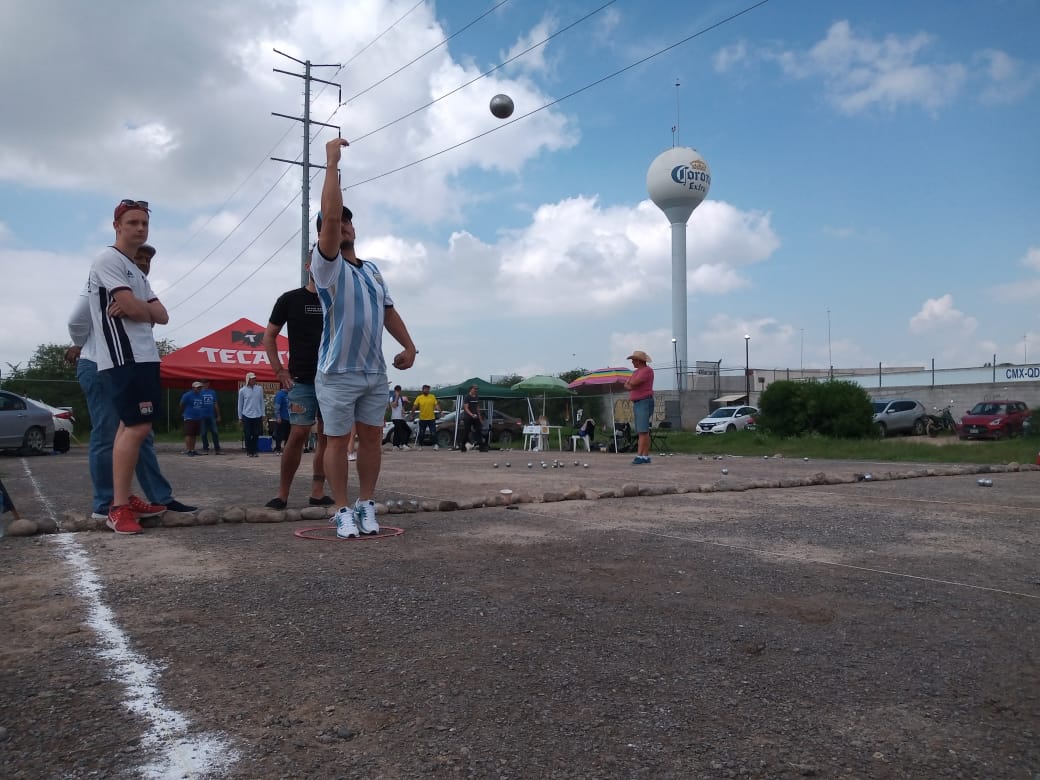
(321, 534)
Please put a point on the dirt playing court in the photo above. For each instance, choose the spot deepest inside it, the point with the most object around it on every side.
(877, 628)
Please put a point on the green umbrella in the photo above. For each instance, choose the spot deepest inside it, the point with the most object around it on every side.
(545, 386)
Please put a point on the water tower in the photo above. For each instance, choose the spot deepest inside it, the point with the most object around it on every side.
(678, 180)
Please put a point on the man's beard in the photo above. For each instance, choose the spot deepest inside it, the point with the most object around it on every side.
(345, 244)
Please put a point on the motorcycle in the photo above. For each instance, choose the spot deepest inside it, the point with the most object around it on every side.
(943, 421)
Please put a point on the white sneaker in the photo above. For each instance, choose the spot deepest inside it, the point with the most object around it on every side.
(365, 512)
(352, 456)
(436, 446)
(405, 447)
(346, 528)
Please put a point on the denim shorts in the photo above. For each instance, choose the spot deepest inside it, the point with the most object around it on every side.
(303, 405)
(348, 398)
(643, 410)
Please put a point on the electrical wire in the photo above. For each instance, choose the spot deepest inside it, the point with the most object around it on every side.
(550, 104)
(267, 157)
(501, 126)
(433, 48)
(485, 74)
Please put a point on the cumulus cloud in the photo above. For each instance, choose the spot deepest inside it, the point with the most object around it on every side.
(730, 57)
(1032, 258)
(535, 61)
(940, 315)
(862, 72)
(1005, 79)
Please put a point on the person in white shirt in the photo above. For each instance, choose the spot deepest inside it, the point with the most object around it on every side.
(123, 309)
(251, 413)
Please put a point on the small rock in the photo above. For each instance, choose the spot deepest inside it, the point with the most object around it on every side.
(22, 527)
(234, 514)
(313, 513)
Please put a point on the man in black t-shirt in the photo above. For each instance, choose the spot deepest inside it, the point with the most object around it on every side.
(471, 419)
(300, 309)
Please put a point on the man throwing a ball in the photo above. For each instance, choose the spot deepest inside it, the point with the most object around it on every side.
(351, 380)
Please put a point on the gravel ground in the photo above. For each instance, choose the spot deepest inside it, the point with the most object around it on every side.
(877, 628)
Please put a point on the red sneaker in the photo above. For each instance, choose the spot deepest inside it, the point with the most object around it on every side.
(121, 520)
(143, 509)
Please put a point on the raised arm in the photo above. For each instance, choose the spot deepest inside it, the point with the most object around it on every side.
(331, 201)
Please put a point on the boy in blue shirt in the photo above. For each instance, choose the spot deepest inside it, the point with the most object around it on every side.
(192, 406)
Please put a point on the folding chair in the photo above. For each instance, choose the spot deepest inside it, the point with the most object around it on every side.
(659, 435)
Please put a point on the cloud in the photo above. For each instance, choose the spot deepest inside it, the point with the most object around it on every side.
(861, 73)
(938, 315)
(1032, 258)
(730, 57)
(535, 61)
(1005, 78)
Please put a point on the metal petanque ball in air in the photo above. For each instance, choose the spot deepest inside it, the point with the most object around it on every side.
(502, 106)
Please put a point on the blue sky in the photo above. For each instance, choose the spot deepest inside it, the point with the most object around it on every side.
(874, 161)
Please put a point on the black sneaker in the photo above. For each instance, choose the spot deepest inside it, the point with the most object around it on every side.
(276, 503)
(323, 501)
(177, 506)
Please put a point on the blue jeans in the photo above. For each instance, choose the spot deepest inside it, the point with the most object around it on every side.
(209, 425)
(104, 421)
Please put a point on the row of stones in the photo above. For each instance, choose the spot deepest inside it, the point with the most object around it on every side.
(71, 521)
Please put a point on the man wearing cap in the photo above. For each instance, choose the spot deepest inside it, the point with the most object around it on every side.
(210, 422)
(429, 407)
(251, 413)
(193, 406)
(351, 380)
(104, 418)
(640, 388)
(123, 309)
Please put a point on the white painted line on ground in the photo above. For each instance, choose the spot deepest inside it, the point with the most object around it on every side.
(179, 754)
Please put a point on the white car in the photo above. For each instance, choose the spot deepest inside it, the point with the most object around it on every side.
(63, 419)
(728, 418)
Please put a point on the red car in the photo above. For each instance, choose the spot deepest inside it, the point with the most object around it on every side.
(994, 420)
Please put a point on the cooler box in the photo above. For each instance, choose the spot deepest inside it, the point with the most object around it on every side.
(263, 444)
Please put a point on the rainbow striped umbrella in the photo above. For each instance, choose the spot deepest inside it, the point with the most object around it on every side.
(602, 376)
(608, 378)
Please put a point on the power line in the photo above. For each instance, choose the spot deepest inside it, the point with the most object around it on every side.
(501, 126)
(428, 51)
(485, 74)
(551, 103)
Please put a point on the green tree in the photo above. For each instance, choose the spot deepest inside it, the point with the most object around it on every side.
(837, 409)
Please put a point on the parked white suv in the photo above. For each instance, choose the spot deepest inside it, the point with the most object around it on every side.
(726, 419)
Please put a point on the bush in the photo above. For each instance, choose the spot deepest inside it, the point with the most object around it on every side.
(841, 410)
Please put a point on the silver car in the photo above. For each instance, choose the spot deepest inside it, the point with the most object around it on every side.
(900, 415)
(24, 424)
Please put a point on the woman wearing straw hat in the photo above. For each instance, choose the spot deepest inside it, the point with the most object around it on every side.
(640, 388)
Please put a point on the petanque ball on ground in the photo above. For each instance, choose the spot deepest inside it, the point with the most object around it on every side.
(502, 106)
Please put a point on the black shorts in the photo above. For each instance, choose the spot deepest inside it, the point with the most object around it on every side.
(136, 392)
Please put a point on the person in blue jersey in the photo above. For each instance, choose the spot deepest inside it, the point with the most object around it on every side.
(281, 419)
(193, 407)
(210, 422)
(351, 380)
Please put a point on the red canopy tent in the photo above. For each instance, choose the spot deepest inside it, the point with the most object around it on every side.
(224, 357)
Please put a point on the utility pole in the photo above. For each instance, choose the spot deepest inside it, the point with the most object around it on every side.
(305, 233)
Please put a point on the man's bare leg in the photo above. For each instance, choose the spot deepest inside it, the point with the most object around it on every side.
(336, 468)
(318, 480)
(370, 458)
(125, 450)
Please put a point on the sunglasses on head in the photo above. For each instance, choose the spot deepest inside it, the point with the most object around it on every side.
(136, 204)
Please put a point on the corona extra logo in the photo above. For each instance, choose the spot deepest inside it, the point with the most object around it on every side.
(693, 176)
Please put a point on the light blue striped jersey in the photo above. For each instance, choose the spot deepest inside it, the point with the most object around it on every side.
(353, 301)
